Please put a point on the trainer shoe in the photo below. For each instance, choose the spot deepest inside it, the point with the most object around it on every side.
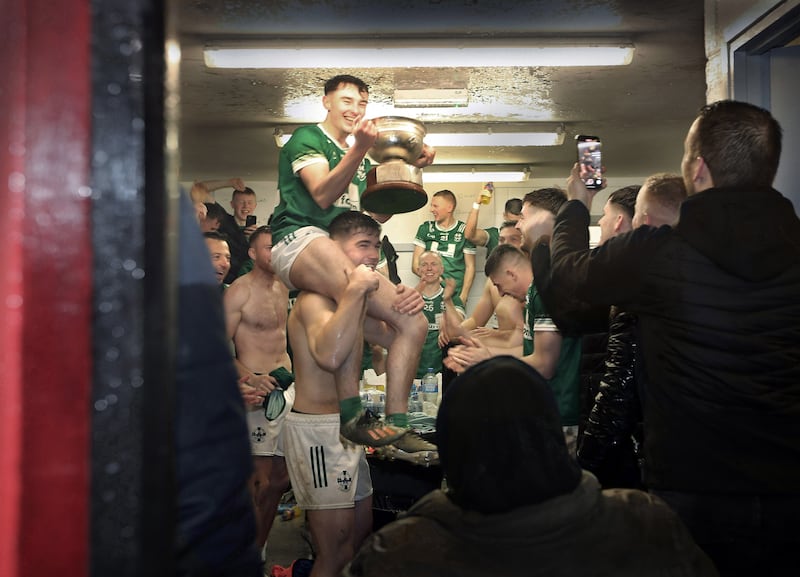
(367, 429)
(413, 448)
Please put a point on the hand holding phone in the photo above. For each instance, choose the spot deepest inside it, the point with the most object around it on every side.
(590, 160)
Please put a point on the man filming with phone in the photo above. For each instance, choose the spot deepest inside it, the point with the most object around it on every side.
(719, 320)
(237, 227)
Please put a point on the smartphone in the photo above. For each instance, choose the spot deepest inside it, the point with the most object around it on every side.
(250, 220)
(590, 159)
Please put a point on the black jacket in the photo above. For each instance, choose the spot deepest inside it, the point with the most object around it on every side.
(238, 243)
(606, 446)
(718, 299)
(583, 532)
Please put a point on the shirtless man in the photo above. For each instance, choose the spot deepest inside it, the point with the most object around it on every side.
(330, 479)
(256, 306)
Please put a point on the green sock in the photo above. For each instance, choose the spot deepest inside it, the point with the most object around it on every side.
(398, 420)
(349, 408)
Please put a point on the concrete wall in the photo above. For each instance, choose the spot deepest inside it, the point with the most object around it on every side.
(725, 22)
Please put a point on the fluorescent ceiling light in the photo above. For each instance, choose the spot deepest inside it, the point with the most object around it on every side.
(495, 139)
(431, 98)
(432, 177)
(470, 139)
(430, 53)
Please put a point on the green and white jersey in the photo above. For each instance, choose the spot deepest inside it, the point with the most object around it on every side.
(494, 239)
(296, 208)
(382, 261)
(433, 310)
(565, 382)
(450, 244)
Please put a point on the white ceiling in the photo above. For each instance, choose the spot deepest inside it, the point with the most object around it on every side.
(641, 111)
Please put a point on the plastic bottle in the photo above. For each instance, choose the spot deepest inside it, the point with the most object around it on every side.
(430, 387)
(289, 512)
(415, 398)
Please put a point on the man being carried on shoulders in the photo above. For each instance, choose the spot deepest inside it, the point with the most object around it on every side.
(319, 177)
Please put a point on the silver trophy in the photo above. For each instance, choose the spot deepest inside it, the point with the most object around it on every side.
(395, 185)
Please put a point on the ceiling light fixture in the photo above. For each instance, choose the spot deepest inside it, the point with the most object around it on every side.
(431, 98)
(470, 139)
(440, 140)
(427, 53)
(431, 176)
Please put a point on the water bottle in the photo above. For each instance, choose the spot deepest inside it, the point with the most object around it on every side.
(415, 398)
(430, 387)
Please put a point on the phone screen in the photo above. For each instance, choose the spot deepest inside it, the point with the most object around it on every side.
(590, 159)
(250, 220)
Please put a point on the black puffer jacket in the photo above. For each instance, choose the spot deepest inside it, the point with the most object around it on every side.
(606, 447)
(718, 299)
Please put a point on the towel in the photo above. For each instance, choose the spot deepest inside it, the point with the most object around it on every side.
(274, 403)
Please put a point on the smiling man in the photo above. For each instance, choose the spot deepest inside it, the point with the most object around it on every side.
(320, 176)
(331, 479)
(438, 298)
(445, 235)
(220, 256)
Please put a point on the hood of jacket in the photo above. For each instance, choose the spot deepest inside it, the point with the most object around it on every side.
(524, 526)
(753, 234)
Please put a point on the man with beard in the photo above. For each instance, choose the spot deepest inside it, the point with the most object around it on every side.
(719, 320)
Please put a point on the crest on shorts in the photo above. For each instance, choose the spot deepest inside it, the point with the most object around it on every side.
(344, 480)
(258, 435)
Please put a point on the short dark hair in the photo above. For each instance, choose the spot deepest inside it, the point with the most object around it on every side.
(333, 83)
(350, 222)
(513, 206)
(625, 198)
(247, 190)
(546, 198)
(508, 224)
(215, 212)
(499, 255)
(448, 194)
(261, 230)
(739, 142)
(214, 235)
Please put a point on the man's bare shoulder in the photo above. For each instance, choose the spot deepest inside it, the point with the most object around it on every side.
(309, 304)
(238, 291)
(308, 299)
(278, 289)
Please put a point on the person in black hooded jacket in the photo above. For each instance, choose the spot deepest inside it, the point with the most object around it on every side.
(719, 312)
(517, 504)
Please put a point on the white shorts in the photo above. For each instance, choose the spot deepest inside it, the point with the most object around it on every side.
(266, 437)
(324, 473)
(286, 250)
